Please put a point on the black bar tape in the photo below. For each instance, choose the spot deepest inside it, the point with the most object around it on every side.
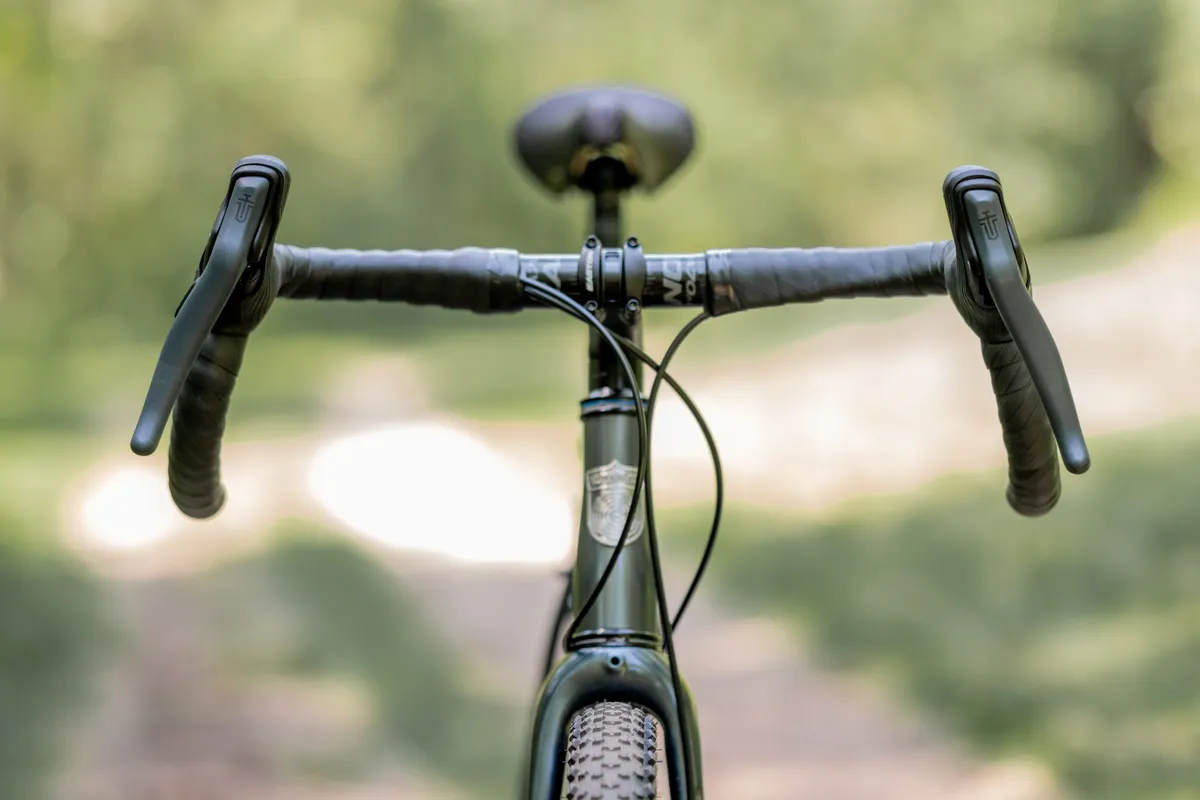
(194, 460)
(740, 280)
(471, 278)
(1034, 484)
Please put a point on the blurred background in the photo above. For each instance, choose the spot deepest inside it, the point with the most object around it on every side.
(366, 617)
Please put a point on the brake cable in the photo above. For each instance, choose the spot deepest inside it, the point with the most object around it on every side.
(557, 299)
(714, 456)
(719, 499)
(710, 440)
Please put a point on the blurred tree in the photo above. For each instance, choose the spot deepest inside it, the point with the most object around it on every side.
(50, 636)
(1175, 103)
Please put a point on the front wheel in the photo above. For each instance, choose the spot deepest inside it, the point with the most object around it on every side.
(612, 754)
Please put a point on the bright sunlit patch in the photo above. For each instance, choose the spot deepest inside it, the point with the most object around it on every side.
(437, 489)
(128, 508)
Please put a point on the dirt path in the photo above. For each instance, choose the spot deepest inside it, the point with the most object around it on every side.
(775, 727)
(173, 725)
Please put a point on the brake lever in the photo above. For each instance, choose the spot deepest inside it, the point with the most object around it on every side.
(998, 278)
(242, 235)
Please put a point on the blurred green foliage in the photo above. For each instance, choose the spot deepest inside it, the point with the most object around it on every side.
(356, 619)
(52, 631)
(1074, 638)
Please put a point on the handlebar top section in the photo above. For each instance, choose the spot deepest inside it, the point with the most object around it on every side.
(721, 281)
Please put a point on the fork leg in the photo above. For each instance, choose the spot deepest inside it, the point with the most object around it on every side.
(686, 729)
(622, 674)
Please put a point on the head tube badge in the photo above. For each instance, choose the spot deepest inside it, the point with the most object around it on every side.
(608, 494)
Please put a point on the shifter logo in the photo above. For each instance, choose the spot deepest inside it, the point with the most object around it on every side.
(243, 206)
(988, 221)
(609, 495)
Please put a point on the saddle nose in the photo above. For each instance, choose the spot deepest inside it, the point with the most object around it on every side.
(601, 125)
(649, 135)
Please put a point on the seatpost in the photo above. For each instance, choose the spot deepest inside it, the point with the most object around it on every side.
(605, 376)
(606, 217)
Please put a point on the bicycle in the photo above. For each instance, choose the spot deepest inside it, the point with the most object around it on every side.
(598, 712)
